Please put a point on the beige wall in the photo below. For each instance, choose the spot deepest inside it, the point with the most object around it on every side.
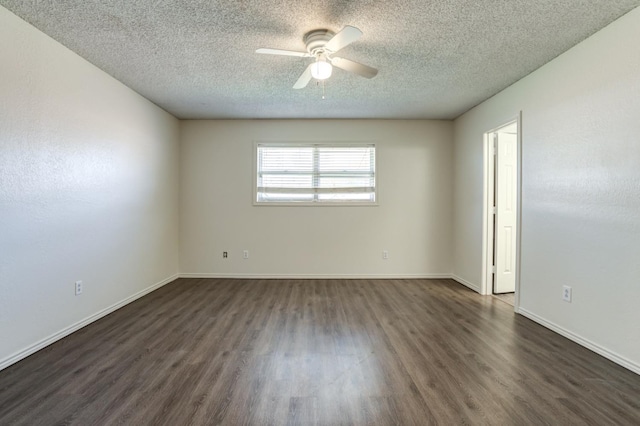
(580, 190)
(412, 220)
(88, 191)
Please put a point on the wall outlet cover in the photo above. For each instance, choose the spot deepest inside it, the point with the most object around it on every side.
(566, 293)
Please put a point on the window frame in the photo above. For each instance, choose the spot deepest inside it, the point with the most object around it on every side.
(335, 203)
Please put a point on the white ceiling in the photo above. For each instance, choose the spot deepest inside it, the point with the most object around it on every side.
(436, 58)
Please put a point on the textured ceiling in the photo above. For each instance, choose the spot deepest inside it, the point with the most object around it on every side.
(436, 59)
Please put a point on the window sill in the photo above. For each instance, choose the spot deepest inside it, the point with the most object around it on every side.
(315, 204)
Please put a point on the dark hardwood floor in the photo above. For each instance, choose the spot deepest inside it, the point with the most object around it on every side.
(330, 352)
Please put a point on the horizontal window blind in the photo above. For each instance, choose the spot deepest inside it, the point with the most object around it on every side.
(316, 173)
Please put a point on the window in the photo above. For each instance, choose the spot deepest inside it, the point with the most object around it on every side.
(315, 173)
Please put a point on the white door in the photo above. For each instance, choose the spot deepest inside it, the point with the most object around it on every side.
(506, 196)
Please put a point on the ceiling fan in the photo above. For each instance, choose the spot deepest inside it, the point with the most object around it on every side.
(321, 45)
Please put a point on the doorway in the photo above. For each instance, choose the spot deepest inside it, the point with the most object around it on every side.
(502, 220)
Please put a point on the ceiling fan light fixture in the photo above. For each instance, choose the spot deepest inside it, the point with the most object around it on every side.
(321, 69)
(321, 45)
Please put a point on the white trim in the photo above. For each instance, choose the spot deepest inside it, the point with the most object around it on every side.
(317, 204)
(600, 350)
(12, 359)
(466, 283)
(487, 214)
(326, 203)
(516, 301)
(313, 276)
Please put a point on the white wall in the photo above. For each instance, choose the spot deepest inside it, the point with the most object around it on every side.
(580, 190)
(88, 191)
(412, 220)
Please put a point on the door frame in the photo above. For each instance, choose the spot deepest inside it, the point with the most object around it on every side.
(487, 219)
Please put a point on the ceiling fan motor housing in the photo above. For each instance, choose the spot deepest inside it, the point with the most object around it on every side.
(316, 40)
(321, 45)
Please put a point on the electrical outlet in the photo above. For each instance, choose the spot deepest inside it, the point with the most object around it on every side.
(566, 293)
(78, 288)
(224, 255)
(385, 254)
(245, 254)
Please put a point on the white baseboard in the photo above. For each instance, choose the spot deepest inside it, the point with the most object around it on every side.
(600, 350)
(12, 359)
(466, 283)
(313, 276)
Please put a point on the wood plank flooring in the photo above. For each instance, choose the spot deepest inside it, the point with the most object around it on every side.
(326, 352)
(509, 298)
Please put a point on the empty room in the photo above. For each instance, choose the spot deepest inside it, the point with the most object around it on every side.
(319, 213)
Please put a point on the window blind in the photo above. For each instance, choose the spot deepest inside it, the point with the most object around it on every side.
(316, 173)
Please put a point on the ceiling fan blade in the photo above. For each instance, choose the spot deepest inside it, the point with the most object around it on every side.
(345, 37)
(283, 52)
(304, 79)
(354, 67)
